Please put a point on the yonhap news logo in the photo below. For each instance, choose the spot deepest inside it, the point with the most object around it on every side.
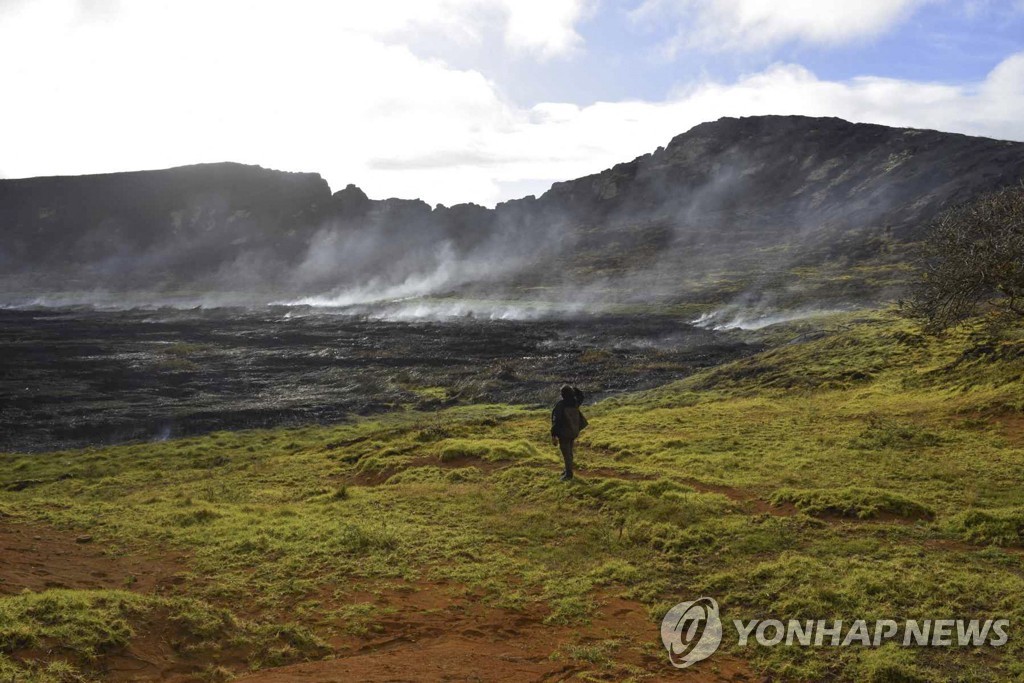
(692, 631)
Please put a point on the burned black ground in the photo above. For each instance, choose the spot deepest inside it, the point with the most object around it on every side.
(73, 377)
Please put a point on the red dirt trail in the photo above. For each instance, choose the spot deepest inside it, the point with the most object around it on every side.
(37, 557)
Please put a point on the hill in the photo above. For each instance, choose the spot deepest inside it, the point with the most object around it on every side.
(785, 204)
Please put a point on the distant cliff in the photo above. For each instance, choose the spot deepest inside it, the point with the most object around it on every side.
(730, 195)
(790, 172)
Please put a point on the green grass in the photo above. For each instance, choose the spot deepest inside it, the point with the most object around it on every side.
(873, 420)
(852, 501)
(485, 449)
(77, 627)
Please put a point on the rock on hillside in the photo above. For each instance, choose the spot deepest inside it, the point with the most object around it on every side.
(116, 228)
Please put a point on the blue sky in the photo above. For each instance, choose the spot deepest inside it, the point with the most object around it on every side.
(476, 100)
(946, 42)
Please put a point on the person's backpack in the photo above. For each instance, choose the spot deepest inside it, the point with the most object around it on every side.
(579, 423)
(571, 417)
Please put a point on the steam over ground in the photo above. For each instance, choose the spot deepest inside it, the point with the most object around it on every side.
(765, 215)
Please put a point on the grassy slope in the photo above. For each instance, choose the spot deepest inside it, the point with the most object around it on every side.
(902, 453)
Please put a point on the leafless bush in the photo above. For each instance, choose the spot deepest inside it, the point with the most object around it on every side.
(972, 258)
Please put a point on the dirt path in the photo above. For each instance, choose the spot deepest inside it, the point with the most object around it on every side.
(37, 557)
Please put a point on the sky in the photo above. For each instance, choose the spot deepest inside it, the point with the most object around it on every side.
(476, 100)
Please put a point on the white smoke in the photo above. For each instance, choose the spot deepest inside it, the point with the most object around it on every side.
(737, 318)
(416, 309)
(374, 292)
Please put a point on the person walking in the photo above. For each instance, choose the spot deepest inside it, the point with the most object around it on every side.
(566, 424)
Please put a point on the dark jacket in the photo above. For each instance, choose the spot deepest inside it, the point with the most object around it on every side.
(566, 420)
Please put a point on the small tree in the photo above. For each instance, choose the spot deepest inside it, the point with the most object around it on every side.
(972, 257)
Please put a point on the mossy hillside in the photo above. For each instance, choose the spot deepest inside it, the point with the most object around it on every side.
(84, 625)
(903, 460)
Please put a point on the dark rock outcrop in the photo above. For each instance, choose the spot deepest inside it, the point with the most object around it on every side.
(169, 225)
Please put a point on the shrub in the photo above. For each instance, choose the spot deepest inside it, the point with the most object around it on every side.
(972, 256)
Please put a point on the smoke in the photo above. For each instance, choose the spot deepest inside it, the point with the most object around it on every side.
(378, 290)
(730, 212)
(737, 319)
(427, 310)
(374, 268)
(163, 433)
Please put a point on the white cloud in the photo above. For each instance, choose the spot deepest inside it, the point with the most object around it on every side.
(318, 86)
(544, 26)
(560, 141)
(990, 108)
(758, 24)
(313, 91)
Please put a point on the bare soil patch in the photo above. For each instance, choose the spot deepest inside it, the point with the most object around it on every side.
(439, 632)
(38, 557)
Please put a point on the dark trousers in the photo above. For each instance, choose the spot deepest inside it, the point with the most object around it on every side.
(565, 445)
